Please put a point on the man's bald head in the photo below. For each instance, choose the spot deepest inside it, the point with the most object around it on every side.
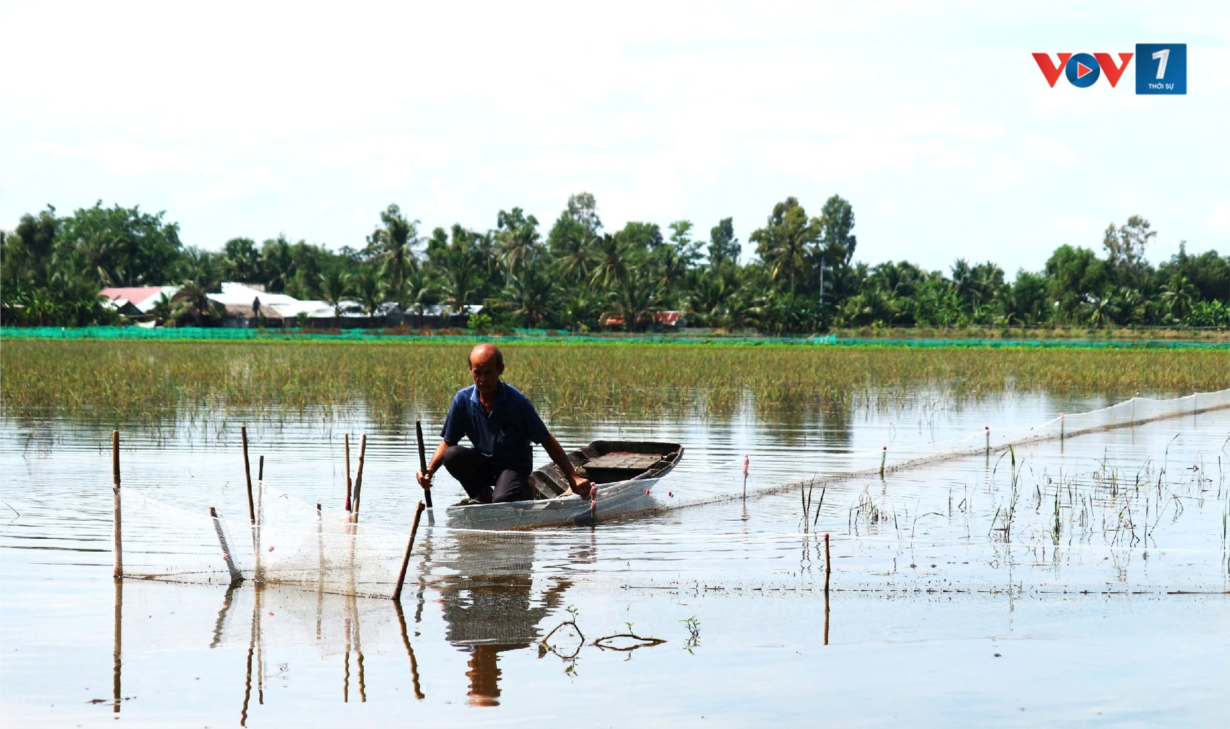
(486, 352)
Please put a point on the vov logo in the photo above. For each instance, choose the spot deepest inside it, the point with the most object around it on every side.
(1161, 68)
(1082, 69)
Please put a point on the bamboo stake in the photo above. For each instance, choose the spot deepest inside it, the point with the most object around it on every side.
(405, 560)
(247, 472)
(358, 480)
(418, 431)
(256, 537)
(260, 469)
(117, 541)
(883, 459)
(346, 440)
(236, 575)
(828, 564)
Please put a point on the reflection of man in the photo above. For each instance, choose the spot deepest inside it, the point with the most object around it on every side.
(489, 605)
(500, 423)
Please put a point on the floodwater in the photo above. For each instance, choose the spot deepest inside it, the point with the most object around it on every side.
(1075, 582)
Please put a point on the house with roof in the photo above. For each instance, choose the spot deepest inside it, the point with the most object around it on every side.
(249, 305)
(137, 302)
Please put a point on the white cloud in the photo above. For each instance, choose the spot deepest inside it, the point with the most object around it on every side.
(676, 110)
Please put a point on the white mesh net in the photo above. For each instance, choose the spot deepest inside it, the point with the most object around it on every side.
(298, 544)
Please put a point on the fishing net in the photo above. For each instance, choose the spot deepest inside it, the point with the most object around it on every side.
(298, 544)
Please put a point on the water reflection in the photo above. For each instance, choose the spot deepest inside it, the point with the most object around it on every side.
(490, 605)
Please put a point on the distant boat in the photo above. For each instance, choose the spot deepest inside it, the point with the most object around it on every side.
(624, 473)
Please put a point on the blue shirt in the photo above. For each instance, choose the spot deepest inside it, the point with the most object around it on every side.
(504, 436)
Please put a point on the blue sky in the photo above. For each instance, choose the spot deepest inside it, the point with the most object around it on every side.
(253, 119)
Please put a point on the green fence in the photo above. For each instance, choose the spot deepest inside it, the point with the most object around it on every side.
(563, 337)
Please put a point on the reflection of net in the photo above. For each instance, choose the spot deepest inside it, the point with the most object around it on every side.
(299, 545)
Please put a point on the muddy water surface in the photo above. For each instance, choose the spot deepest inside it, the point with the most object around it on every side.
(1086, 584)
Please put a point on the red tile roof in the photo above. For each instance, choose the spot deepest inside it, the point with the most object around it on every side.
(134, 295)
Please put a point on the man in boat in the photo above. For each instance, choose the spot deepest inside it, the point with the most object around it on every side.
(501, 423)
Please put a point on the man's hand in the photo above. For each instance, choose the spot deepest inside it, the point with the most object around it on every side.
(581, 486)
(424, 479)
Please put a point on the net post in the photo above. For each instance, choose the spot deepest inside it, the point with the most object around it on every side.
(405, 560)
(236, 575)
(247, 472)
(117, 541)
(828, 565)
(346, 441)
(358, 481)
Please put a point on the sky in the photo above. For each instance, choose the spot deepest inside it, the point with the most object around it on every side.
(309, 118)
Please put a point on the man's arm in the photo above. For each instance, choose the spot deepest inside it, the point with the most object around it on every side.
(580, 486)
(433, 465)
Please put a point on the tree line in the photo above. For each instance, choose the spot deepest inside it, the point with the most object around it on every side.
(801, 277)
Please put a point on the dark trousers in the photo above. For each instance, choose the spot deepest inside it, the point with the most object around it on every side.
(478, 475)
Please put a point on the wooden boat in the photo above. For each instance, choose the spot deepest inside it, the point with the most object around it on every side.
(624, 473)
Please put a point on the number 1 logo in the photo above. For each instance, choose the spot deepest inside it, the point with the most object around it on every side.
(1166, 70)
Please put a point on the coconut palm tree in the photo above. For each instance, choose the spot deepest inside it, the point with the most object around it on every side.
(461, 271)
(197, 284)
(393, 244)
(576, 258)
(334, 288)
(528, 296)
(517, 240)
(637, 297)
(1177, 297)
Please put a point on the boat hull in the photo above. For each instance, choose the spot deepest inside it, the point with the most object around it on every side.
(622, 487)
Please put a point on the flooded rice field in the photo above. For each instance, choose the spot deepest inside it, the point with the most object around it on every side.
(1080, 581)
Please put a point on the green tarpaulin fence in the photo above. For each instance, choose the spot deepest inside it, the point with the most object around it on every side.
(530, 335)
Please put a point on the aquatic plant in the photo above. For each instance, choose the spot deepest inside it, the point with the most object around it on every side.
(130, 379)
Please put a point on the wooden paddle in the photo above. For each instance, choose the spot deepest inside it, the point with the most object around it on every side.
(418, 429)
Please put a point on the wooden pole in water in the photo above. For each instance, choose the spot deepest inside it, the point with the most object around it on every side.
(358, 481)
(828, 564)
(117, 541)
(260, 469)
(418, 430)
(405, 560)
(883, 459)
(346, 440)
(236, 575)
(247, 473)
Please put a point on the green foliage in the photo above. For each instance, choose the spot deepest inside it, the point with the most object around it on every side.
(789, 242)
(480, 324)
(804, 278)
(723, 245)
